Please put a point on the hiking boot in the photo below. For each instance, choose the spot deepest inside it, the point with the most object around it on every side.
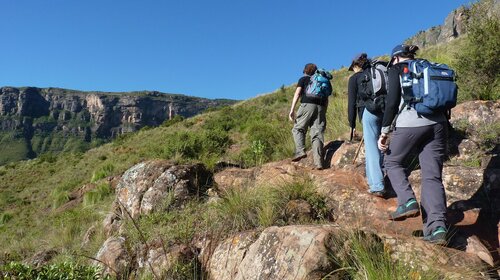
(407, 210)
(438, 236)
(298, 156)
(377, 193)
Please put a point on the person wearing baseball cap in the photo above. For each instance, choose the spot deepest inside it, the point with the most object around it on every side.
(423, 133)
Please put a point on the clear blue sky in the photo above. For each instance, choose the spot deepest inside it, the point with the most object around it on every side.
(217, 49)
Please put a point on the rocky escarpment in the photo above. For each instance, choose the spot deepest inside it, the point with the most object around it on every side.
(455, 25)
(36, 120)
(308, 251)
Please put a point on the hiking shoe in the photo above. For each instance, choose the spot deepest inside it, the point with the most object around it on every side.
(377, 193)
(299, 156)
(407, 210)
(438, 236)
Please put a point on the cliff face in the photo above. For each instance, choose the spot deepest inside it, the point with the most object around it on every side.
(455, 25)
(36, 120)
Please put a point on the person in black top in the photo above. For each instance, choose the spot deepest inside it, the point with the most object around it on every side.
(424, 133)
(354, 103)
(372, 122)
(311, 114)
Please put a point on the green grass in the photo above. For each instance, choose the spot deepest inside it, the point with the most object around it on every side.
(63, 270)
(102, 172)
(358, 255)
(249, 133)
(96, 195)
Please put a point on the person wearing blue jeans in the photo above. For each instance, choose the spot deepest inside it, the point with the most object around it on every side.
(358, 98)
(372, 124)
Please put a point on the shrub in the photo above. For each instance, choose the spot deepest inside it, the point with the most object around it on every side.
(477, 64)
(47, 157)
(174, 120)
(65, 270)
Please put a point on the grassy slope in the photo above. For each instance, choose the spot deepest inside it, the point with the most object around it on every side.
(30, 191)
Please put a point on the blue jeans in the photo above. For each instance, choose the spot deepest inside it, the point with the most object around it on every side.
(374, 158)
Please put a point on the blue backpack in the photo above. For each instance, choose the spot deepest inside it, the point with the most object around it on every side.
(319, 86)
(433, 87)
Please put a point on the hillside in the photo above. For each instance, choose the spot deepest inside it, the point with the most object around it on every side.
(34, 121)
(58, 203)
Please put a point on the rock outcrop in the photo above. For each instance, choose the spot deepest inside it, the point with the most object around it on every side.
(45, 119)
(155, 186)
(115, 257)
(455, 25)
(145, 187)
(292, 252)
(306, 251)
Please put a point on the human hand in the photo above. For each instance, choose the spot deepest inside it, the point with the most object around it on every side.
(291, 116)
(382, 142)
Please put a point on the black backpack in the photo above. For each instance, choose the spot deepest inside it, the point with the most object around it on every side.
(373, 87)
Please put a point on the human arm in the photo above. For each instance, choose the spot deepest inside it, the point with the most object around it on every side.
(352, 93)
(296, 96)
(393, 99)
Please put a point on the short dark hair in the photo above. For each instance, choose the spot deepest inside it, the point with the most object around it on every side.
(361, 61)
(310, 69)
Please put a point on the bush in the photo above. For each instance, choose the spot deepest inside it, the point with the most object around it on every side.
(65, 270)
(47, 157)
(174, 120)
(477, 65)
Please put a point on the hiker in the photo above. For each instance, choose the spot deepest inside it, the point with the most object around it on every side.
(371, 119)
(426, 134)
(311, 114)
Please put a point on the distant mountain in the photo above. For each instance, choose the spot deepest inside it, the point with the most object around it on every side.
(38, 120)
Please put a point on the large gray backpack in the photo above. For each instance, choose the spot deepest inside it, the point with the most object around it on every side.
(374, 87)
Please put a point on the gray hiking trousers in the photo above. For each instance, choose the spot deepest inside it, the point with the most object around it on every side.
(430, 143)
(313, 116)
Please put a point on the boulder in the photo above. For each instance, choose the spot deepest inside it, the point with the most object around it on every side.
(451, 263)
(156, 185)
(473, 116)
(311, 251)
(351, 205)
(114, 257)
(225, 260)
(345, 154)
(160, 260)
(292, 252)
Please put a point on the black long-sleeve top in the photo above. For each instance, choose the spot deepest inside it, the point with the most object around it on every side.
(393, 98)
(353, 100)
